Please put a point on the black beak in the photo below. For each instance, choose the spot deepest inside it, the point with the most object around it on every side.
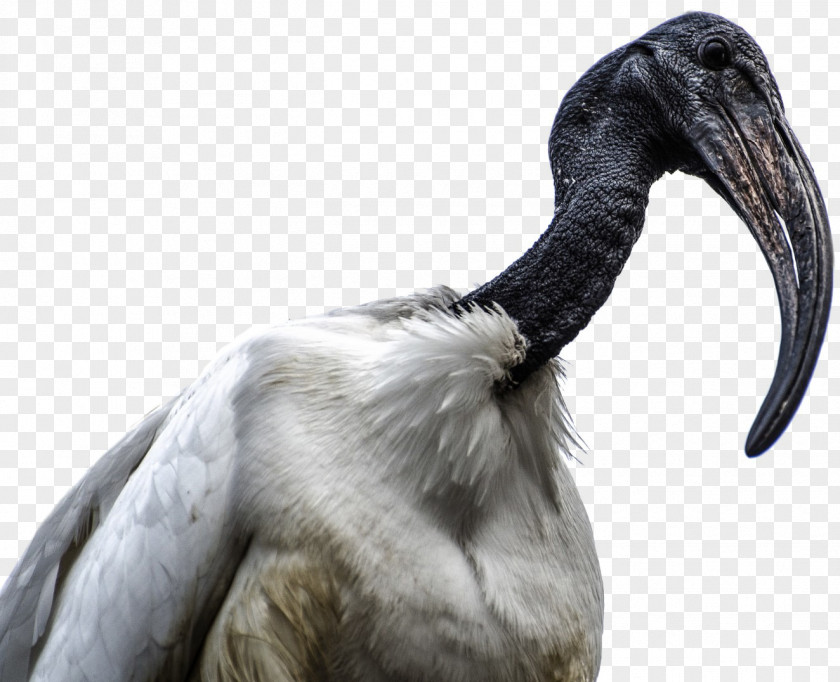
(754, 161)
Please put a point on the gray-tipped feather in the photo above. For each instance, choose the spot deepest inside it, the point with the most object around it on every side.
(27, 597)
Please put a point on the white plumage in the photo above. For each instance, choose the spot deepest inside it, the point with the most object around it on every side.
(318, 485)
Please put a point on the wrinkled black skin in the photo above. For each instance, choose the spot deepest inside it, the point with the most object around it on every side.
(620, 127)
(604, 164)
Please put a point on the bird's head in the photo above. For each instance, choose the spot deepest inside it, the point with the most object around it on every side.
(696, 94)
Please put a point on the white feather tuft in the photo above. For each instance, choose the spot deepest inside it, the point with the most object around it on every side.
(435, 389)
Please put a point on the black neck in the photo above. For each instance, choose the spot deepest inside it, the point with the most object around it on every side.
(602, 179)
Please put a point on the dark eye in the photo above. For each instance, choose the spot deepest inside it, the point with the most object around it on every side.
(714, 53)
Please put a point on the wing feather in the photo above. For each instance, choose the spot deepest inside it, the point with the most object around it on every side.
(124, 578)
(27, 597)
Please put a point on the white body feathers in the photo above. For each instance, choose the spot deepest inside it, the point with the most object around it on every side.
(354, 496)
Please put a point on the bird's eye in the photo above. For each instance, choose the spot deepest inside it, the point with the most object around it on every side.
(714, 53)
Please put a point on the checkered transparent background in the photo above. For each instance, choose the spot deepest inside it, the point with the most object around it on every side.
(173, 175)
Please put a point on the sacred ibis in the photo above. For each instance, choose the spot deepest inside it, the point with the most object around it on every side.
(379, 493)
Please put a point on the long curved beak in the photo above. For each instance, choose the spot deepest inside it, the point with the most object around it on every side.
(754, 161)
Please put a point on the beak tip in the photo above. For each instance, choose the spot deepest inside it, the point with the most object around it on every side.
(753, 450)
(759, 441)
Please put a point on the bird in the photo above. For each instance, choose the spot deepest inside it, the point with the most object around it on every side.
(379, 493)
